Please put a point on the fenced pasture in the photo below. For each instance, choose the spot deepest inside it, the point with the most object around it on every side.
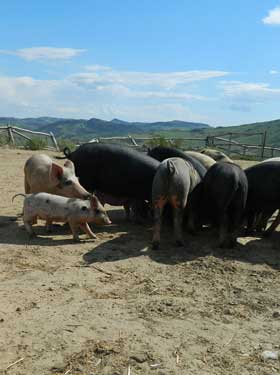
(114, 306)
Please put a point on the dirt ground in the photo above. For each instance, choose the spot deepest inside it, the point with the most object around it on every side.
(115, 307)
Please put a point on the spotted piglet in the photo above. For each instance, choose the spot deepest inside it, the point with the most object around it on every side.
(77, 212)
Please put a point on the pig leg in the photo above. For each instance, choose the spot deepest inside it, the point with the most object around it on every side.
(127, 211)
(27, 188)
(85, 228)
(48, 226)
(251, 215)
(193, 223)
(178, 214)
(223, 231)
(28, 225)
(74, 229)
(158, 209)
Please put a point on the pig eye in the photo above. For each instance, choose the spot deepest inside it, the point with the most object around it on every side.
(68, 182)
(84, 208)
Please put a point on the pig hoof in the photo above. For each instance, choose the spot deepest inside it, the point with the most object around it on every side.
(155, 245)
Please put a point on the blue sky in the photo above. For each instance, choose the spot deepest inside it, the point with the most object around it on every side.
(208, 61)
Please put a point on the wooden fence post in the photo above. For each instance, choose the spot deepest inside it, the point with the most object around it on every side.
(133, 141)
(263, 144)
(229, 143)
(11, 136)
(54, 141)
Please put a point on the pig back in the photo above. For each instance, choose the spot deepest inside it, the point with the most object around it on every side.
(161, 153)
(37, 174)
(119, 171)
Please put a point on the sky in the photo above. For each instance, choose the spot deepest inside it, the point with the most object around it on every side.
(210, 61)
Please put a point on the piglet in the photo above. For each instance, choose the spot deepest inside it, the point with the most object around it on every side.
(77, 212)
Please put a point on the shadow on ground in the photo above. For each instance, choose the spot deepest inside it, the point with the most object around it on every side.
(135, 240)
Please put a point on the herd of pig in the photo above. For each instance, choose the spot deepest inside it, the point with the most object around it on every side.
(191, 188)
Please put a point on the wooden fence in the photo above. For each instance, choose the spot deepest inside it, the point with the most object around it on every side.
(224, 142)
(14, 132)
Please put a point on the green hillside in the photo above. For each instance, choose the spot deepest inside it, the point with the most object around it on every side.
(271, 127)
(81, 130)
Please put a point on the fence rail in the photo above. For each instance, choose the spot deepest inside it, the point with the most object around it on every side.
(13, 131)
(222, 141)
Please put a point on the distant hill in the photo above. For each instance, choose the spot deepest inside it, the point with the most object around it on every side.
(85, 129)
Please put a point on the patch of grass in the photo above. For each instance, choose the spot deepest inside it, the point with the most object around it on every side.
(66, 142)
(35, 144)
(4, 140)
(160, 140)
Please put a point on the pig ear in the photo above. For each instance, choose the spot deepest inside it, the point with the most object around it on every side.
(56, 172)
(69, 164)
(93, 201)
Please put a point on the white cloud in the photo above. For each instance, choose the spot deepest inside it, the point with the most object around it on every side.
(273, 72)
(44, 53)
(236, 88)
(246, 96)
(26, 96)
(101, 76)
(106, 93)
(273, 17)
(97, 67)
(129, 93)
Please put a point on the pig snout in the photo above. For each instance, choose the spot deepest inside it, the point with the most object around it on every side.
(101, 218)
(73, 189)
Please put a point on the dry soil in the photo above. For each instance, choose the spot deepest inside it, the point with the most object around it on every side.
(115, 307)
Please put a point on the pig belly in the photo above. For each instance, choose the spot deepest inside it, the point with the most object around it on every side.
(110, 199)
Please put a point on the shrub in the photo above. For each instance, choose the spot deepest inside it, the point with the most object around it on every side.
(160, 140)
(35, 144)
(4, 140)
(64, 142)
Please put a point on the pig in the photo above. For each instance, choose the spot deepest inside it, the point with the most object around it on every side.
(42, 174)
(263, 195)
(205, 160)
(174, 181)
(117, 171)
(223, 200)
(77, 212)
(216, 155)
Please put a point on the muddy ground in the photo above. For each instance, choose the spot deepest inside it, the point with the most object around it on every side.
(115, 307)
